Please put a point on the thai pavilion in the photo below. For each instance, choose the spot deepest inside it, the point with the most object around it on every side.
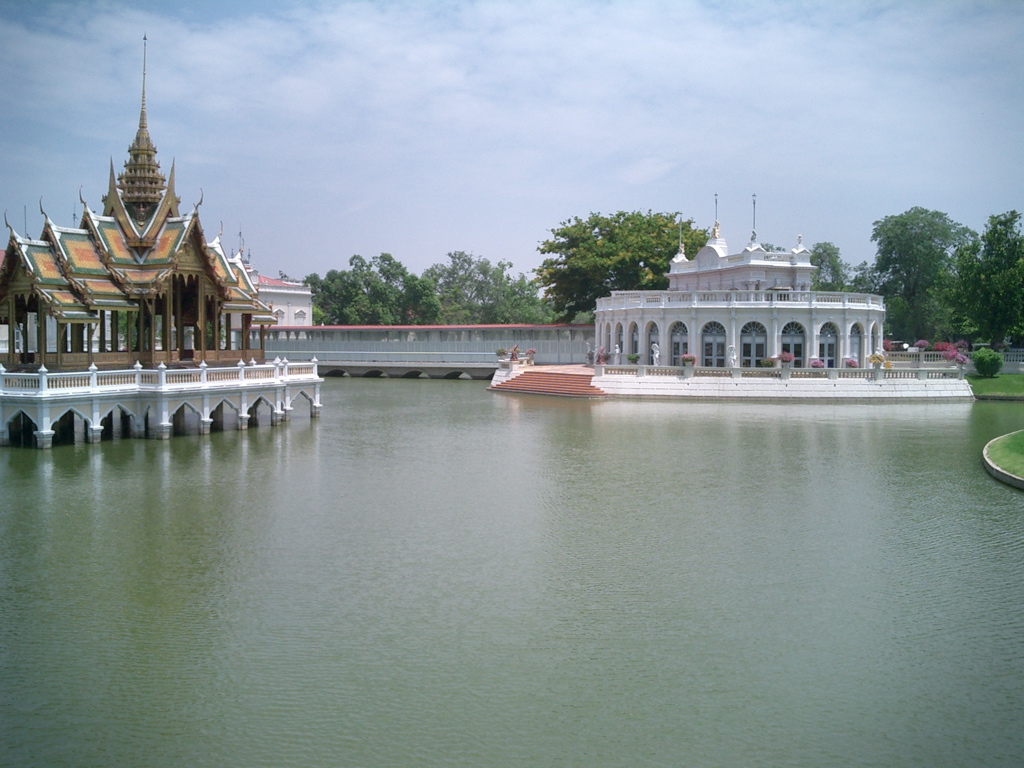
(133, 325)
(737, 309)
(138, 283)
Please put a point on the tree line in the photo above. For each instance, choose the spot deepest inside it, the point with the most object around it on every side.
(465, 289)
(940, 279)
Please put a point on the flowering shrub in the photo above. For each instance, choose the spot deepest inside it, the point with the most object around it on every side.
(942, 346)
(851, 363)
(955, 356)
(887, 345)
(816, 363)
(961, 345)
(786, 357)
(687, 359)
(922, 344)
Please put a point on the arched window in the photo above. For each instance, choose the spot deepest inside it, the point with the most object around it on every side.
(634, 339)
(713, 341)
(753, 344)
(793, 336)
(618, 343)
(680, 341)
(828, 344)
(653, 337)
(856, 344)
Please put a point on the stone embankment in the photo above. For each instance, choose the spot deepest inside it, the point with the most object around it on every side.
(797, 385)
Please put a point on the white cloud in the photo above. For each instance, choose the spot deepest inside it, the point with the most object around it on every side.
(420, 128)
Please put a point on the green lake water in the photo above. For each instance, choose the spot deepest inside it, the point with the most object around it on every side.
(436, 575)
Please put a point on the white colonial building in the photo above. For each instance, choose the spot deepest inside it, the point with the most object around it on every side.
(291, 302)
(736, 309)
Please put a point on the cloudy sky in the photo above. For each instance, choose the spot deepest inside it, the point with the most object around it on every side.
(322, 130)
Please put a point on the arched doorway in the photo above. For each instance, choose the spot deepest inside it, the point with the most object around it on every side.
(653, 335)
(753, 344)
(713, 342)
(793, 336)
(634, 339)
(679, 339)
(828, 345)
(856, 351)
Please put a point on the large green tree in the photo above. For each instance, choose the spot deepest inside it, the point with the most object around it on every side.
(472, 290)
(831, 274)
(590, 258)
(376, 292)
(988, 290)
(913, 262)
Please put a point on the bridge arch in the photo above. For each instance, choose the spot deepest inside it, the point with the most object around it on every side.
(261, 412)
(21, 430)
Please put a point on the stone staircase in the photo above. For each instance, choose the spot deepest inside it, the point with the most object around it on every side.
(549, 383)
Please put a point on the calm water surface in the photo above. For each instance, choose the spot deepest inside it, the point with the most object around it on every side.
(434, 575)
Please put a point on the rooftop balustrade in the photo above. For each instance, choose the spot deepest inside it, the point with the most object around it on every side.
(626, 300)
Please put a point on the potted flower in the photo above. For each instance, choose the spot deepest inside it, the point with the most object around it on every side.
(786, 359)
(955, 356)
(766, 362)
(876, 359)
(529, 355)
(851, 363)
(921, 345)
(688, 359)
(633, 358)
(817, 363)
(501, 352)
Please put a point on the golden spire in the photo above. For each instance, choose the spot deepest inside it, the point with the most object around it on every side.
(142, 185)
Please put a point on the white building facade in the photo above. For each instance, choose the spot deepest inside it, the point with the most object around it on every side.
(736, 310)
(290, 302)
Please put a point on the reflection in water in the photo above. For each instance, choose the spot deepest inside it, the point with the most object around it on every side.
(436, 575)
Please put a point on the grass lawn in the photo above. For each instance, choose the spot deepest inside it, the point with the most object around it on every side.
(1007, 453)
(1003, 384)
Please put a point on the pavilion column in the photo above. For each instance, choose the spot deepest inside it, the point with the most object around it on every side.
(166, 343)
(246, 325)
(179, 328)
(40, 333)
(11, 335)
(139, 327)
(151, 327)
(202, 321)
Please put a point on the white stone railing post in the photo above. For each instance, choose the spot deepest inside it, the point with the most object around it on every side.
(93, 378)
(42, 377)
(138, 373)
(161, 376)
(314, 361)
(241, 373)
(202, 372)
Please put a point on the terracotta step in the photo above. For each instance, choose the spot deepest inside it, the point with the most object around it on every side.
(545, 383)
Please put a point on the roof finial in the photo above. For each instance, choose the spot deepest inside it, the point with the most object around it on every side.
(716, 207)
(142, 115)
(753, 228)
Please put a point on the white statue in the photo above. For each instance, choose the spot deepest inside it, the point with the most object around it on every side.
(618, 358)
(655, 354)
(732, 356)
